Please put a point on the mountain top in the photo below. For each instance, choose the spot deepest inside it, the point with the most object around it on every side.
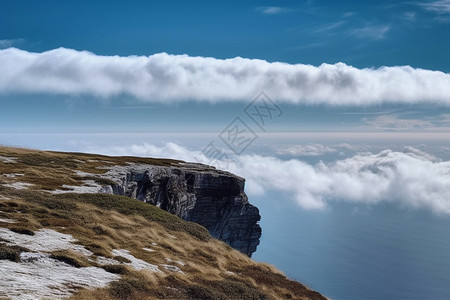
(80, 244)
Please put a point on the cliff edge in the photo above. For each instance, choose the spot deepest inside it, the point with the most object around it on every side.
(194, 192)
(68, 229)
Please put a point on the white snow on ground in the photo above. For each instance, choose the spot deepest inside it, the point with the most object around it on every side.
(13, 175)
(149, 249)
(8, 160)
(43, 240)
(101, 260)
(4, 198)
(82, 174)
(7, 220)
(37, 276)
(18, 185)
(89, 186)
(135, 263)
(180, 262)
(172, 268)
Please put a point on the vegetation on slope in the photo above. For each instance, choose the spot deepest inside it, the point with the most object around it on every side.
(210, 269)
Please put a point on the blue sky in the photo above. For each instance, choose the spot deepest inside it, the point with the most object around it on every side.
(359, 34)
(359, 87)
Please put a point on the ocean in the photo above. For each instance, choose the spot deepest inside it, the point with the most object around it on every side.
(353, 252)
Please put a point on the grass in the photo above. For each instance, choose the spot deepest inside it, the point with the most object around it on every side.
(70, 257)
(22, 230)
(102, 223)
(11, 253)
(116, 269)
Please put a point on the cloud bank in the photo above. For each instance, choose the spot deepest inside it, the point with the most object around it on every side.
(412, 178)
(165, 78)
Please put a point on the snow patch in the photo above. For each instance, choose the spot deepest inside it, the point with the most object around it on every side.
(135, 263)
(149, 249)
(180, 262)
(7, 220)
(101, 260)
(18, 185)
(43, 240)
(83, 174)
(13, 175)
(8, 160)
(89, 186)
(172, 268)
(37, 276)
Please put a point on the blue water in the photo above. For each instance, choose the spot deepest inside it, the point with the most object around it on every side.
(348, 252)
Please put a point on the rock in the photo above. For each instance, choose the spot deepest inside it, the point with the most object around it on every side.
(194, 192)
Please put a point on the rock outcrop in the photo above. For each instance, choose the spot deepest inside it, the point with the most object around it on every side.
(197, 193)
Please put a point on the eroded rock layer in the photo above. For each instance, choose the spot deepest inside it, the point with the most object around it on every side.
(194, 192)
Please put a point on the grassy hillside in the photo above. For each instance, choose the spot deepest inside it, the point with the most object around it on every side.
(189, 263)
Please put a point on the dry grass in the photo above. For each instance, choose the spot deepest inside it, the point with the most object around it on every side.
(49, 170)
(11, 253)
(101, 223)
(70, 257)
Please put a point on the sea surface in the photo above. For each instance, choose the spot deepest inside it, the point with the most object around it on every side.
(355, 252)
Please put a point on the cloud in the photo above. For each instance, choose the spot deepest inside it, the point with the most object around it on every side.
(411, 178)
(328, 27)
(375, 32)
(407, 179)
(10, 43)
(439, 6)
(409, 16)
(306, 150)
(393, 122)
(167, 78)
(272, 10)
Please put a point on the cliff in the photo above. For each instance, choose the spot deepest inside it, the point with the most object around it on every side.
(194, 192)
(66, 240)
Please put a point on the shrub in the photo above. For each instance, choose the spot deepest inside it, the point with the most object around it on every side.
(11, 253)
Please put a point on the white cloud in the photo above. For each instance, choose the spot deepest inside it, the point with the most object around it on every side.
(306, 150)
(10, 43)
(411, 178)
(375, 32)
(393, 122)
(164, 77)
(272, 10)
(329, 27)
(409, 16)
(439, 6)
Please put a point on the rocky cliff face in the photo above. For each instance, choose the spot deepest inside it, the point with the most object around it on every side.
(197, 193)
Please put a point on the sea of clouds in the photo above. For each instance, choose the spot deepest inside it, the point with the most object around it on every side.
(410, 178)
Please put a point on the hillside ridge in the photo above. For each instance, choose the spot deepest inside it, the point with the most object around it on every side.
(68, 241)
